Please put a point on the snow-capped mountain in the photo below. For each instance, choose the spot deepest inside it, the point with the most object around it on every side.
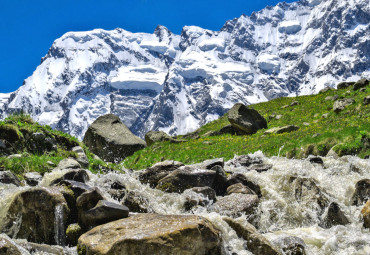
(176, 83)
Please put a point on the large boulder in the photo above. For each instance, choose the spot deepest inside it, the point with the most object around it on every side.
(360, 84)
(334, 216)
(153, 234)
(362, 192)
(85, 202)
(111, 140)
(40, 214)
(256, 243)
(245, 119)
(344, 85)
(235, 204)
(153, 174)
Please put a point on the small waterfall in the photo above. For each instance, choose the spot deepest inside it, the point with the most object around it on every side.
(59, 226)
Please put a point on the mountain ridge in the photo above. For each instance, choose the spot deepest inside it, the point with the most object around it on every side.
(176, 83)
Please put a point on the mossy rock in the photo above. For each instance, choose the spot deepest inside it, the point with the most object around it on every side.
(73, 232)
(10, 133)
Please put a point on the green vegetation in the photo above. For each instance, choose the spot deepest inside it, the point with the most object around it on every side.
(347, 132)
(18, 130)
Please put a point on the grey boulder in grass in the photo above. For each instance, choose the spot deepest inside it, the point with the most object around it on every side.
(245, 119)
(111, 140)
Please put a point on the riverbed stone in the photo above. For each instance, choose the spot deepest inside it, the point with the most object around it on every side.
(73, 232)
(256, 243)
(35, 211)
(79, 175)
(243, 160)
(137, 202)
(239, 188)
(7, 177)
(245, 119)
(85, 202)
(362, 192)
(335, 216)
(7, 247)
(68, 163)
(365, 212)
(241, 178)
(32, 178)
(290, 245)
(81, 156)
(111, 140)
(235, 204)
(153, 174)
(148, 234)
(209, 163)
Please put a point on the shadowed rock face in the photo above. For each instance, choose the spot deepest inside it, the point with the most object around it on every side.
(245, 119)
(153, 234)
(111, 140)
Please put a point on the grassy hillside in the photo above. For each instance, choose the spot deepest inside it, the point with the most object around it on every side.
(347, 132)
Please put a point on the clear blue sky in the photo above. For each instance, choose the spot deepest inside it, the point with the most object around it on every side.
(29, 27)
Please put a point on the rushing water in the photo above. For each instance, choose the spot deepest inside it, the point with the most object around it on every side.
(281, 213)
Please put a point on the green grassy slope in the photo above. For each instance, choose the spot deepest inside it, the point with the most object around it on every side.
(348, 131)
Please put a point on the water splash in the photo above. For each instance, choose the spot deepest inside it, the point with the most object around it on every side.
(59, 225)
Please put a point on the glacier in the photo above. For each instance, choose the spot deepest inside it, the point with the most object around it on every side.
(176, 83)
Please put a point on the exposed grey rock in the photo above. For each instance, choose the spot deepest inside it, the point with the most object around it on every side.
(339, 105)
(239, 188)
(260, 167)
(362, 192)
(104, 212)
(79, 175)
(35, 210)
(7, 247)
(137, 202)
(85, 202)
(32, 178)
(235, 204)
(36, 248)
(207, 196)
(245, 119)
(111, 140)
(256, 243)
(117, 190)
(334, 216)
(157, 136)
(153, 174)
(279, 130)
(290, 245)
(360, 84)
(240, 178)
(367, 100)
(68, 163)
(326, 89)
(8, 177)
(81, 156)
(344, 85)
(147, 234)
(243, 160)
(207, 192)
(208, 164)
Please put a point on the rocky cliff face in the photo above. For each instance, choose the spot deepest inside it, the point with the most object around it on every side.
(176, 83)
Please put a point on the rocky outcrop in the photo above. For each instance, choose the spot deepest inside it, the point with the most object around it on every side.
(153, 234)
(245, 119)
(362, 192)
(344, 85)
(280, 130)
(111, 140)
(158, 136)
(153, 174)
(256, 243)
(40, 215)
(8, 177)
(340, 104)
(360, 84)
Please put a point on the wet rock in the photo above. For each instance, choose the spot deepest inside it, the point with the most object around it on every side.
(339, 105)
(240, 178)
(137, 202)
(76, 187)
(73, 232)
(207, 196)
(157, 136)
(35, 248)
(207, 192)
(111, 140)
(332, 153)
(239, 188)
(219, 184)
(316, 160)
(256, 243)
(81, 156)
(32, 178)
(208, 164)
(280, 130)
(334, 216)
(306, 190)
(365, 212)
(153, 234)
(104, 212)
(290, 245)
(362, 192)
(158, 171)
(7, 247)
(35, 212)
(243, 160)
(344, 85)
(79, 175)
(367, 100)
(68, 163)
(360, 84)
(187, 177)
(85, 202)
(235, 204)
(8, 177)
(245, 119)
(117, 191)
(260, 167)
